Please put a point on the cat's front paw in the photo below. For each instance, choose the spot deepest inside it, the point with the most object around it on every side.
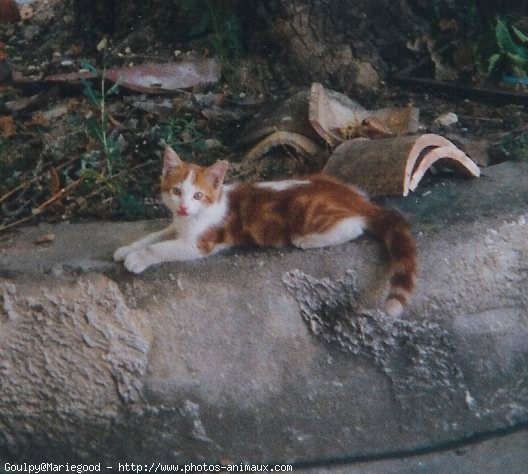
(139, 260)
(121, 253)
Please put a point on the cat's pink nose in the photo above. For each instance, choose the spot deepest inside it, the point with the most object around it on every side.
(183, 211)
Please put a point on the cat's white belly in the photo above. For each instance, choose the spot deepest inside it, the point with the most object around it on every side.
(343, 231)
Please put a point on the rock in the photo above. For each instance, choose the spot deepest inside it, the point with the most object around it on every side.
(30, 32)
(163, 106)
(26, 12)
(447, 119)
(121, 143)
(366, 76)
(205, 100)
(44, 239)
(213, 144)
(132, 124)
(102, 45)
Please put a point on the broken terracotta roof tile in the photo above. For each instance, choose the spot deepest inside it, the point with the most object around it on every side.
(395, 166)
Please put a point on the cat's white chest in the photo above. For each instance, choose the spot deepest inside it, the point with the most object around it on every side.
(191, 228)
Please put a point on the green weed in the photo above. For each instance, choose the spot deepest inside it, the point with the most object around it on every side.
(114, 173)
(183, 135)
(512, 147)
(131, 206)
(511, 51)
(97, 127)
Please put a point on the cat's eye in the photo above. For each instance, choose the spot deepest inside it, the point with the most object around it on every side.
(176, 191)
(198, 195)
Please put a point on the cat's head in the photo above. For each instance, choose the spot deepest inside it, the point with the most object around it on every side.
(187, 189)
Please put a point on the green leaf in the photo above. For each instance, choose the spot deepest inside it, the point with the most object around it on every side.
(517, 60)
(131, 206)
(519, 72)
(506, 43)
(85, 64)
(520, 35)
(492, 63)
(94, 96)
(89, 174)
(114, 89)
(94, 129)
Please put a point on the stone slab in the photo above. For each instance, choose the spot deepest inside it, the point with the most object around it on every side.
(265, 355)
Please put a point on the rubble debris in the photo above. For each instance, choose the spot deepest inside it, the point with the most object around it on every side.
(477, 150)
(44, 239)
(330, 112)
(299, 143)
(74, 78)
(162, 107)
(447, 119)
(209, 99)
(365, 75)
(28, 104)
(151, 78)
(9, 12)
(394, 166)
(449, 156)
(26, 13)
(289, 116)
(219, 114)
(328, 115)
(213, 144)
(337, 118)
(44, 118)
(22, 104)
(7, 126)
(102, 45)
(166, 78)
(485, 94)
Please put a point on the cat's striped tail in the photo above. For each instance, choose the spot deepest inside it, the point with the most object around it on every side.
(394, 231)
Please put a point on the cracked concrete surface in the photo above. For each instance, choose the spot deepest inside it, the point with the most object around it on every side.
(268, 355)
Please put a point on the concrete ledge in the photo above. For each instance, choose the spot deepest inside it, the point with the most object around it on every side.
(268, 355)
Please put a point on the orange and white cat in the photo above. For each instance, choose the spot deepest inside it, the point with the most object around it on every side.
(317, 211)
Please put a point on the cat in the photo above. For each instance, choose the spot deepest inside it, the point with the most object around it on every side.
(316, 211)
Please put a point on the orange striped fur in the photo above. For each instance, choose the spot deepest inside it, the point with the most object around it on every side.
(313, 212)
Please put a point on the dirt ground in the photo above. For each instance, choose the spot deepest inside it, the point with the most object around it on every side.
(66, 156)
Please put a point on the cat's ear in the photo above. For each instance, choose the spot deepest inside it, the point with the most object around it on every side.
(171, 160)
(217, 172)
